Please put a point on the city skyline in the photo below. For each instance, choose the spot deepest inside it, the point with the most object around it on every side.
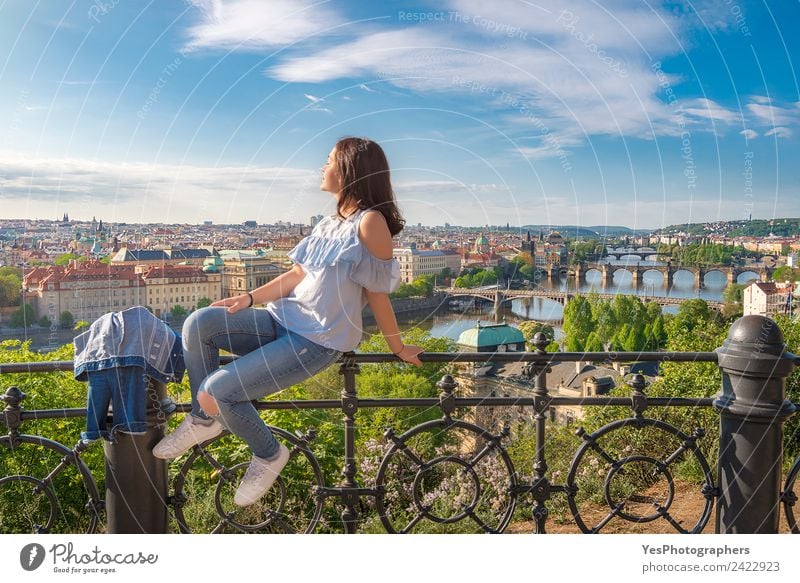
(309, 223)
(634, 115)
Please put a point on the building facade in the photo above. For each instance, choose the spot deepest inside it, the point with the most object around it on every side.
(767, 298)
(415, 262)
(86, 290)
(245, 271)
(179, 285)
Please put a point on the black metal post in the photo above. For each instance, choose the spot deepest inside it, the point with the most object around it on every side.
(136, 482)
(541, 399)
(349, 496)
(752, 405)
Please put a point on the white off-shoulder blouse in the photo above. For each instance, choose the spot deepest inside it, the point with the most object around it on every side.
(326, 305)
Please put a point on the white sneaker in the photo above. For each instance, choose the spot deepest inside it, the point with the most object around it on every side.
(260, 476)
(190, 432)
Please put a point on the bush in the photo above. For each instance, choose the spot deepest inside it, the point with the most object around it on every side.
(67, 320)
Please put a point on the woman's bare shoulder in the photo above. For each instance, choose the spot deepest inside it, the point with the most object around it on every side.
(373, 230)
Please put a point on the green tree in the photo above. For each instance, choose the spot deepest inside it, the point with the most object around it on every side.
(578, 323)
(655, 336)
(44, 321)
(785, 273)
(201, 303)
(593, 343)
(67, 320)
(530, 328)
(64, 259)
(178, 311)
(423, 286)
(733, 293)
(621, 337)
(10, 286)
(629, 309)
(528, 272)
(477, 277)
(635, 340)
(604, 318)
(691, 315)
(23, 317)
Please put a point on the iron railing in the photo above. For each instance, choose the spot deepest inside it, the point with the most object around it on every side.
(483, 488)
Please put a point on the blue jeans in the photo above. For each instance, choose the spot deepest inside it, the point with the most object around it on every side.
(125, 389)
(271, 358)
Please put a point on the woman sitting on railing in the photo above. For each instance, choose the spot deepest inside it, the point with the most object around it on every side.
(312, 316)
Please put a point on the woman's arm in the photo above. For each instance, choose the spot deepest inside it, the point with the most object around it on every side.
(375, 234)
(279, 287)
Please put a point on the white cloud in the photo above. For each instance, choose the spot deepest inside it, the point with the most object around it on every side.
(583, 72)
(749, 134)
(708, 109)
(157, 192)
(773, 115)
(779, 132)
(252, 25)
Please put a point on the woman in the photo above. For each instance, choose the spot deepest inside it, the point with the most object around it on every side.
(312, 316)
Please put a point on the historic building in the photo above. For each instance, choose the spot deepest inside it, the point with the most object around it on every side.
(415, 262)
(86, 289)
(180, 285)
(244, 271)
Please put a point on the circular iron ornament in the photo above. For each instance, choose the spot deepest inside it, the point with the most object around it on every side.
(41, 492)
(790, 498)
(619, 470)
(271, 515)
(619, 467)
(427, 470)
(38, 488)
(276, 512)
(480, 493)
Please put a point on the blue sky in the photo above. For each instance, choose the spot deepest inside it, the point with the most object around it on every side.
(633, 113)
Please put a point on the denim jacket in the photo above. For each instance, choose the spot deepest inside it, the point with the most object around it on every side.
(133, 337)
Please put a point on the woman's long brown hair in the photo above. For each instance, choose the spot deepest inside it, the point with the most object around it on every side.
(366, 183)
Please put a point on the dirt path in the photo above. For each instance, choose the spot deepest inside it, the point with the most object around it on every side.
(686, 509)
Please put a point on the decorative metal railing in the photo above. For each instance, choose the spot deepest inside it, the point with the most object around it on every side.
(469, 479)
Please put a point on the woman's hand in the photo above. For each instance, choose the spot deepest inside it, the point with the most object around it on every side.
(409, 353)
(234, 304)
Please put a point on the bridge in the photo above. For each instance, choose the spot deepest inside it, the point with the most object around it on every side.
(644, 252)
(640, 252)
(668, 271)
(498, 295)
(607, 271)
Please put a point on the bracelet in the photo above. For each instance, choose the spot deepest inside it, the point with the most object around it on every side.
(399, 351)
(251, 299)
